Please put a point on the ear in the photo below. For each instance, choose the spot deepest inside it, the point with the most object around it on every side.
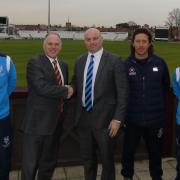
(132, 44)
(60, 48)
(149, 45)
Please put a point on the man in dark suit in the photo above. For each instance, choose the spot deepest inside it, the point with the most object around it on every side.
(101, 86)
(46, 78)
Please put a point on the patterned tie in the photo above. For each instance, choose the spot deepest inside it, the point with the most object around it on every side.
(59, 81)
(57, 73)
(88, 86)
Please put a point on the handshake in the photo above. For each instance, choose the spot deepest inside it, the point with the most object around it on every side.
(70, 91)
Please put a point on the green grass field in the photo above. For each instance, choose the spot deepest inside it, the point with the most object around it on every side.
(22, 50)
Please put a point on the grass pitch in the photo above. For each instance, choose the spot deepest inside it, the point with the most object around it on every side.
(22, 50)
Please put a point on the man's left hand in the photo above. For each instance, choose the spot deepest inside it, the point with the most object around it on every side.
(114, 127)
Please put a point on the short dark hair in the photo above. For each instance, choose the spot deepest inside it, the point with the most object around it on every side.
(147, 33)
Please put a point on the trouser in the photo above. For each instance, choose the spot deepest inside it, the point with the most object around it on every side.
(153, 140)
(5, 147)
(40, 155)
(93, 140)
(178, 151)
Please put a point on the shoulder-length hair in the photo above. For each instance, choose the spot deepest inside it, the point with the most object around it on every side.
(148, 34)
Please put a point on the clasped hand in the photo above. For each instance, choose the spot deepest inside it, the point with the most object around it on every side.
(70, 91)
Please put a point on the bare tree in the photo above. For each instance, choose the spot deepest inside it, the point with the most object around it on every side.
(174, 18)
(132, 23)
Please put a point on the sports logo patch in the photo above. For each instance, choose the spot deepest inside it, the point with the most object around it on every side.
(160, 133)
(6, 142)
(132, 71)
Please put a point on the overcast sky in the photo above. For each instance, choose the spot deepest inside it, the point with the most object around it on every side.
(88, 12)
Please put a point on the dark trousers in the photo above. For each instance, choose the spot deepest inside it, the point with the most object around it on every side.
(5, 148)
(40, 154)
(95, 141)
(178, 151)
(153, 140)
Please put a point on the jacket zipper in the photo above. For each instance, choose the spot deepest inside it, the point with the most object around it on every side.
(143, 79)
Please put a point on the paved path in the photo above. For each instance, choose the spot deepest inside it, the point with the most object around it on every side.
(141, 171)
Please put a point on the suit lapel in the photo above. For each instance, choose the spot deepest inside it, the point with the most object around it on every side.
(48, 66)
(47, 62)
(99, 74)
(81, 71)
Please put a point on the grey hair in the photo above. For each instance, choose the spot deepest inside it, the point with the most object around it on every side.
(53, 33)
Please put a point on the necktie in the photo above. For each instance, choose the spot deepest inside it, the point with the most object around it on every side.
(59, 80)
(57, 73)
(88, 86)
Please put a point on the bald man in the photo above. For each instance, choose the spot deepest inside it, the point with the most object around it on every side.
(101, 86)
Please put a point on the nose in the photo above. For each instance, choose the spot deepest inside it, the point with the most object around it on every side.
(53, 46)
(141, 44)
(91, 41)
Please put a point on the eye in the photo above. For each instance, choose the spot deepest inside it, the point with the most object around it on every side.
(137, 41)
(56, 44)
(50, 44)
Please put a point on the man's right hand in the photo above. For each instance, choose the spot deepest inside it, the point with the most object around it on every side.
(70, 91)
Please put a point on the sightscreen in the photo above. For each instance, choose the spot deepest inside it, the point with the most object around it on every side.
(161, 33)
(4, 20)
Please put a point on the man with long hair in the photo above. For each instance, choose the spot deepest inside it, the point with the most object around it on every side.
(149, 82)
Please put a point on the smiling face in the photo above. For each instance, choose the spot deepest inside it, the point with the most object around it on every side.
(141, 45)
(93, 40)
(52, 45)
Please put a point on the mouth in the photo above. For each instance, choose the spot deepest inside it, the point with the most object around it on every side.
(53, 51)
(140, 49)
(92, 46)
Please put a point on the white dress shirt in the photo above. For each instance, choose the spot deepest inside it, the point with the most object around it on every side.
(97, 58)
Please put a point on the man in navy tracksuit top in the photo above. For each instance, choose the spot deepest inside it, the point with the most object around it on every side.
(148, 84)
(7, 85)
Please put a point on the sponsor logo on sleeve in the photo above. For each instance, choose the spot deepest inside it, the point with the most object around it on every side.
(155, 69)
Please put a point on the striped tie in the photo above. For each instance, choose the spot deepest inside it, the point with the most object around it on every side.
(88, 86)
(57, 73)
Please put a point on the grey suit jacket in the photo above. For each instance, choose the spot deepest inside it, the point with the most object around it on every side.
(110, 90)
(44, 96)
